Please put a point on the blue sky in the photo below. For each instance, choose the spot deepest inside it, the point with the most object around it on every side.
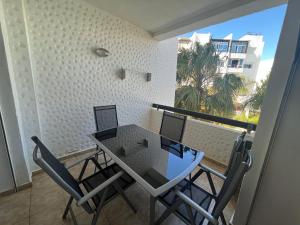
(267, 23)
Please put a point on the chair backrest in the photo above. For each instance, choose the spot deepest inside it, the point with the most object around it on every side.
(237, 147)
(105, 117)
(172, 126)
(57, 171)
(233, 181)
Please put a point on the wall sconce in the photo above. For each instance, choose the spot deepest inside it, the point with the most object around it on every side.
(148, 77)
(122, 73)
(101, 52)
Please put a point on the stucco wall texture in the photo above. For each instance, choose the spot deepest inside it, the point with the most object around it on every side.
(64, 78)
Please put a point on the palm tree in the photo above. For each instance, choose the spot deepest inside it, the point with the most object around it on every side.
(200, 88)
(182, 68)
(256, 100)
(196, 69)
(224, 90)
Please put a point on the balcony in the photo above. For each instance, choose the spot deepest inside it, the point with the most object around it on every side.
(44, 202)
(61, 58)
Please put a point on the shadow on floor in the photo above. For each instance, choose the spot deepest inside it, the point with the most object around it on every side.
(44, 203)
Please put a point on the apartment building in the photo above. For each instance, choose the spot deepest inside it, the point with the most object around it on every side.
(239, 56)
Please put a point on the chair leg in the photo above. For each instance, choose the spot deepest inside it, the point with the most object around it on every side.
(198, 174)
(152, 210)
(83, 169)
(96, 163)
(73, 216)
(168, 212)
(99, 208)
(105, 160)
(190, 214)
(211, 183)
(122, 193)
(96, 157)
(104, 156)
(190, 181)
(223, 219)
(68, 207)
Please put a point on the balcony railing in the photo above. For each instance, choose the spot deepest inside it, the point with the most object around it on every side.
(235, 123)
(206, 132)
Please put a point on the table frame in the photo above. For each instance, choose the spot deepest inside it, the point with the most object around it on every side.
(154, 192)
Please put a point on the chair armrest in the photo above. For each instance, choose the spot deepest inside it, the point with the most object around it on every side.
(216, 173)
(99, 188)
(194, 205)
(83, 159)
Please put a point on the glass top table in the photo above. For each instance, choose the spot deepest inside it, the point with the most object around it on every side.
(155, 162)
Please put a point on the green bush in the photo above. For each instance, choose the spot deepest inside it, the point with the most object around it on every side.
(253, 118)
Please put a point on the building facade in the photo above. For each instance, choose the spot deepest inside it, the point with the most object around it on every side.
(238, 56)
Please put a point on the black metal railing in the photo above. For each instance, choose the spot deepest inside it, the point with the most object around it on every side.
(204, 116)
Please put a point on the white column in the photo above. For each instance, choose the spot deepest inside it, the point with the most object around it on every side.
(18, 59)
(273, 199)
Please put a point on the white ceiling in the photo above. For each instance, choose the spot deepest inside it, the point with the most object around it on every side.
(162, 17)
(152, 14)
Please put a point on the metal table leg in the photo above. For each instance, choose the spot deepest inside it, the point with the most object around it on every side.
(152, 210)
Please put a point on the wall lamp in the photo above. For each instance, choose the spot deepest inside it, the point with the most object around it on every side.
(122, 73)
(101, 52)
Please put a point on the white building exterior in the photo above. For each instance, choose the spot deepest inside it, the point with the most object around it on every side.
(241, 56)
(264, 69)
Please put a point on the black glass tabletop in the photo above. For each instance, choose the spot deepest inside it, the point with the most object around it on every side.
(156, 161)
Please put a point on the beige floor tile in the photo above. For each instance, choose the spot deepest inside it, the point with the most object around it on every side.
(49, 201)
(15, 208)
(42, 181)
(173, 220)
(117, 209)
(23, 222)
(140, 199)
(85, 219)
(127, 220)
(44, 203)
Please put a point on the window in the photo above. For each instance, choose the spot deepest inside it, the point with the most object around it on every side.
(248, 66)
(220, 46)
(221, 63)
(235, 63)
(239, 46)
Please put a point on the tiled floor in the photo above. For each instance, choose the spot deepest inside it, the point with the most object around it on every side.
(43, 204)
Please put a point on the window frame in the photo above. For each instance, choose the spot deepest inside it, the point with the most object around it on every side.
(240, 63)
(247, 66)
(218, 42)
(239, 44)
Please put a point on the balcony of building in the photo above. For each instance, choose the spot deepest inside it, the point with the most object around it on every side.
(44, 201)
(62, 58)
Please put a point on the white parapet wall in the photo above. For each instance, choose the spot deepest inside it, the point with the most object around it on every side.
(215, 140)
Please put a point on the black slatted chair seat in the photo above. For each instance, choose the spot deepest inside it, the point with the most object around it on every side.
(199, 195)
(101, 176)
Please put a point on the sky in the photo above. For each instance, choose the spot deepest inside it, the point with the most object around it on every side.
(267, 22)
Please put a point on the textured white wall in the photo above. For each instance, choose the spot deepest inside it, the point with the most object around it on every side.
(68, 79)
(216, 141)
